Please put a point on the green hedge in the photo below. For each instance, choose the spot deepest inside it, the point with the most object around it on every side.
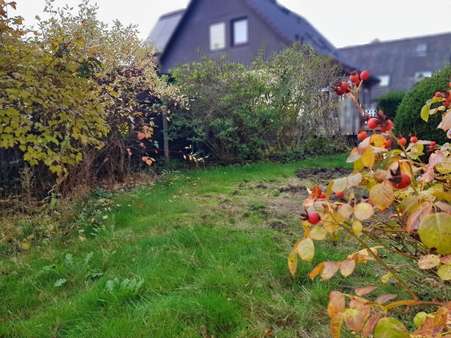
(390, 102)
(408, 120)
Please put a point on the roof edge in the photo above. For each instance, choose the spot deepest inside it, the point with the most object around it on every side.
(395, 40)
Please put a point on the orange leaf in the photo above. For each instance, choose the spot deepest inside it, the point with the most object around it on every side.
(354, 319)
(316, 271)
(336, 324)
(336, 304)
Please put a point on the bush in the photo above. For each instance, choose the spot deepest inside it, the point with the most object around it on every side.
(408, 118)
(390, 102)
(240, 113)
(78, 99)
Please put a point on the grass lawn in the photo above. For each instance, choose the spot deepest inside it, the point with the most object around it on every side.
(200, 254)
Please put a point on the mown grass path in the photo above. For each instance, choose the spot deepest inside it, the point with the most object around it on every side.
(200, 254)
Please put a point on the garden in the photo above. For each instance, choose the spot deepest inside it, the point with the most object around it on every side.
(219, 201)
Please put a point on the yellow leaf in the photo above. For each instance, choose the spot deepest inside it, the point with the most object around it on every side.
(357, 228)
(306, 249)
(363, 211)
(368, 158)
(293, 262)
(444, 272)
(318, 233)
(377, 140)
(337, 303)
(382, 195)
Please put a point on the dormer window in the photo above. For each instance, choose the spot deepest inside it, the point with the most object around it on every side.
(240, 32)
(217, 36)
(422, 49)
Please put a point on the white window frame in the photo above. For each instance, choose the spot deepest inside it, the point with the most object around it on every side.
(217, 36)
(384, 80)
(240, 23)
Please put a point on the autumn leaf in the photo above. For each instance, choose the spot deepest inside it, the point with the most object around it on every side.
(382, 299)
(381, 195)
(347, 267)
(329, 270)
(316, 271)
(444, 272)
(318, 233)
(306, 249)
(357, 228)
(365, 291)
(428, 262)
(293, 262)
(368, 158)
(363, 211)
(336, 304)
(390, 328)
(435, 232)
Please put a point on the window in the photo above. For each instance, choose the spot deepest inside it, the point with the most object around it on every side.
(217, 36)
(421, 75)
(384, 80)
(239, 31)
(422, 49)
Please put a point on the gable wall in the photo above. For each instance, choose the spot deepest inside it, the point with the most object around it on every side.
(193, 40)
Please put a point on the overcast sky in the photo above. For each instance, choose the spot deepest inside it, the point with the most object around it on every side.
(344, 23)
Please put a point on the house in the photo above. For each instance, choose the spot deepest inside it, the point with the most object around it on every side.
(399, 64)
(243, 29)
(239, 29)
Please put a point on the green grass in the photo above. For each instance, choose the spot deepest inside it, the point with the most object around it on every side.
(200, 254)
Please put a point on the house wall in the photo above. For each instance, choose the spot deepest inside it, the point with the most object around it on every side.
(193, 39)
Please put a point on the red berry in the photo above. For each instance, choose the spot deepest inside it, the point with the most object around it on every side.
(355, 78)
(313, 217)
(401, 182)
(345, 87)
(373, 123)
(339, 90)
(413, 139)
(402, 141)
(362, 135)
(340, 195)
(365, 75)
(388, 126)
(387, 144)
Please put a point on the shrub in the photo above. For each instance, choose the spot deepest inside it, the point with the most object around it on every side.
(395, 203)
(390, 102)
(77, 98)
(408, 118)
(240, 113)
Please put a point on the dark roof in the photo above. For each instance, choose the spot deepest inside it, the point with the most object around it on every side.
(401, 59)
(163, 30)
(292, 26)
(289, 25)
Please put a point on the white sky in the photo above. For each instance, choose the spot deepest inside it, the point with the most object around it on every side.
(344, 23)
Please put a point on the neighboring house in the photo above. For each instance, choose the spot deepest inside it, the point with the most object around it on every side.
(399, 64)
(241, 29)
